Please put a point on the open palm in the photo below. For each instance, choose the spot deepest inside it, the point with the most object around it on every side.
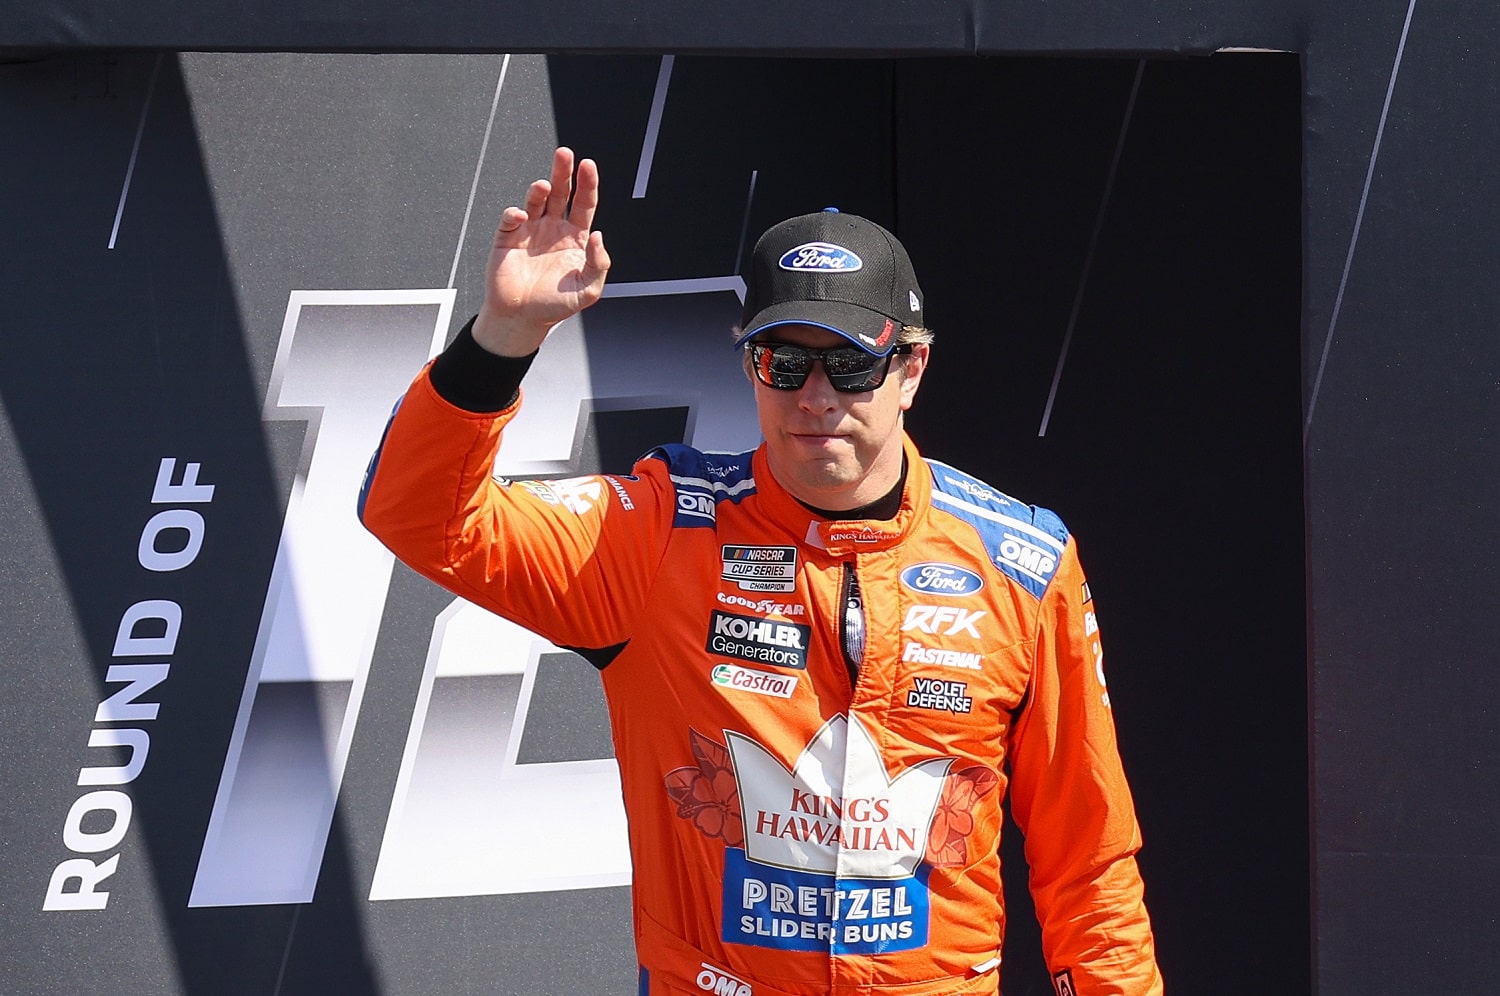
(546, 264)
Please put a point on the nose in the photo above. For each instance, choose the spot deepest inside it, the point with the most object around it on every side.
(817, 394)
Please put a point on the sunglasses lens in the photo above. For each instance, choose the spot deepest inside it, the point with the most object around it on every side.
(785, 366)
(782, 366)
(853, 369)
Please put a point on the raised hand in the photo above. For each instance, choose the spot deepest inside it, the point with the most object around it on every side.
(546, 264)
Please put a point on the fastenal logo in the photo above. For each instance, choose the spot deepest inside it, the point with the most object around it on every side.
(941, 579)
(721, 983)
(916, 653)
(760, 568)
(820, 256)
(746, 679)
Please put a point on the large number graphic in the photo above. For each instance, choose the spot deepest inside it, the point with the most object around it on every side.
(472, 812)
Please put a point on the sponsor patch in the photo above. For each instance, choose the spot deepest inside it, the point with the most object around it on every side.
(760, 568)
(945, 620)
(824, 256)
(695, 505)
(712, 979)
(766, 606)
(1028, 558)
(939, 695)
(759, 641)
(941, 579)
(1063, 983)
(744, 679)
(976, 490)
(862, 534)
(886, 331)
(1088, 596)
(917, 653)
(576, 494)
(621, 493)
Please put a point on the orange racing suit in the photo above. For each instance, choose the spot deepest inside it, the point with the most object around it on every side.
(808, 816)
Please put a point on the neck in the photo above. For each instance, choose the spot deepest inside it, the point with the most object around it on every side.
(884, 507)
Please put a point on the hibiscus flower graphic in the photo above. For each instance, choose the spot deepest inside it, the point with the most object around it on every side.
(706, 792)
(948, 841)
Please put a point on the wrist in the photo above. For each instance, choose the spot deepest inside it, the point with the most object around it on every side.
(507, 336)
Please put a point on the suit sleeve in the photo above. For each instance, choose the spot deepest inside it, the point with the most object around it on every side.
(1070, 799)
(570, 560)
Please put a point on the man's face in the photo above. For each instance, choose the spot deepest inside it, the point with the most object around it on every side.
(830, 449)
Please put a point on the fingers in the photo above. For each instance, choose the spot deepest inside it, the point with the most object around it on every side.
(549, 198)
(536, 197)
(562, 182)
(585, 194)
(595, 258)
(512, 218)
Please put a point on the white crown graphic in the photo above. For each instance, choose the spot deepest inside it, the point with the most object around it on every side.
(837, 812)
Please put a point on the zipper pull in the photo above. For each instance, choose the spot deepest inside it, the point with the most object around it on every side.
(853, 624)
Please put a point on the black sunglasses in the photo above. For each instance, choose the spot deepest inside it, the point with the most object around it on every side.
(850, 369)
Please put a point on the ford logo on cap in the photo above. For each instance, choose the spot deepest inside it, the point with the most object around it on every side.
(820, 256)
(941, 579)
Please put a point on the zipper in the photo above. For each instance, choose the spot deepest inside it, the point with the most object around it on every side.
(852, 624)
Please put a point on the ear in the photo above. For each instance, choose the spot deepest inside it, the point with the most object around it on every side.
(912, 367)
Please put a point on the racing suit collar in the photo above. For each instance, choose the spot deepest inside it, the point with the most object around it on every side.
(843, 537)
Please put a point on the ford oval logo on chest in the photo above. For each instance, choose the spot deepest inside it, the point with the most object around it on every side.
(941, 579)
(820, 256)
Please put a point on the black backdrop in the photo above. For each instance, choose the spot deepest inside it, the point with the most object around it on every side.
(1310, 748)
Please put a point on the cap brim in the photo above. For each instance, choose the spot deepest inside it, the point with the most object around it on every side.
(867, 329)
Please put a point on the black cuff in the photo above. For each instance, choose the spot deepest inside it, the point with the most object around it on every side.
(468, 376)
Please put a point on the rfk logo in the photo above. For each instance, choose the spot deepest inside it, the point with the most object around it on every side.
(470, 814)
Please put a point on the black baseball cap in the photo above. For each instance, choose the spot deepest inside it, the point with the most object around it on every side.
(837, 271)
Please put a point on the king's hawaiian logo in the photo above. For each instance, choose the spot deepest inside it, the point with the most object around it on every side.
(837, 812)
(832, 853)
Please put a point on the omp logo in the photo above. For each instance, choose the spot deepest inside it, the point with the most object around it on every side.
(941, 579)
(820, 256)
(944, 620)
(721, 983)
(696, 503)
(1027, 557)
(472, 812)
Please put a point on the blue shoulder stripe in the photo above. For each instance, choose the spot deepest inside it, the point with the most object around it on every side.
(1024, 541)
(703, 480)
